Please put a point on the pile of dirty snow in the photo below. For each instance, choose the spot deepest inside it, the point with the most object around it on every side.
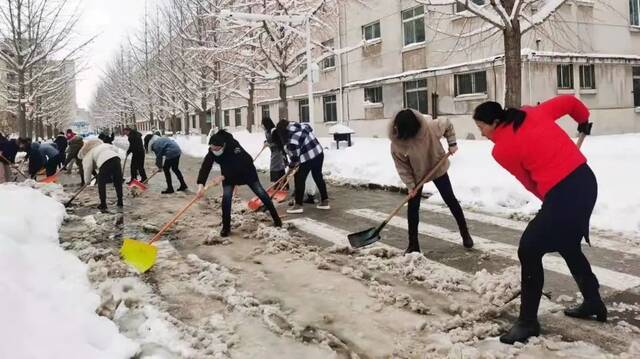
(47, 305)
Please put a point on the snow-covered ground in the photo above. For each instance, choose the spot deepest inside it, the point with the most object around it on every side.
(47, 304)
(479, 182)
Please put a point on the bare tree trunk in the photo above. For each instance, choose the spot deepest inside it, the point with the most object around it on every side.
(250, 108)
(187, 120)
(22, 107)
(283, 106)
(513, 61)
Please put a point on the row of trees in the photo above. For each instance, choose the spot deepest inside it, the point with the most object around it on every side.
(189, 57)
(38, 55)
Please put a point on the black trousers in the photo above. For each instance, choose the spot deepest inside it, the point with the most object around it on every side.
(110, 171)
(137, 166)
(443, 184)
(173, 165)
(315, 167)
(52, 166)
(559, 226)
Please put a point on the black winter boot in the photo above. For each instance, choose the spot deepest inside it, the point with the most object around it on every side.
(592, 305)
(225, 232)
(168, 191)
(414, 247)
(183, 187)
(467, 241)
(521, 331)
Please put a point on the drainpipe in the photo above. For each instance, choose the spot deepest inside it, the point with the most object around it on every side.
(341, 103)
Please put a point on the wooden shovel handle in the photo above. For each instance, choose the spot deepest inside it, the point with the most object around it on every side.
(259, 153)
(420, 184)
(150, 177)
(16, 167)
(176, 217)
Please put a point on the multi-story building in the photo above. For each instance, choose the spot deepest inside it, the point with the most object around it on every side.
(410, 58)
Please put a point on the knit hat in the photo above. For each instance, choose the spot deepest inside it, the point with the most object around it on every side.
(217, 140)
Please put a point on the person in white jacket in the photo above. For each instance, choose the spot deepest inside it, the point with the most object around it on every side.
(98, 155)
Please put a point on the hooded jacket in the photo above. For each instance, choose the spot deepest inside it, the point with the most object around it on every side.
(39, 154)
(75, 144)
(235, 163)
(61, 142)
(416, 157)
(278, 157)
(94, 153)
(135, 143)
(164, 147)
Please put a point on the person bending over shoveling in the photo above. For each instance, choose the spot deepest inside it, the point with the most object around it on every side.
(96, 154)
(40, 155)
(165, 147)
(237, 169)
(416, 150)
(531, 146)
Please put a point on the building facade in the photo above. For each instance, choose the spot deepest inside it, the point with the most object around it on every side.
(399, 53)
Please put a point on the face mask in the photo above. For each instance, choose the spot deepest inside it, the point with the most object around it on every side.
(218, 153)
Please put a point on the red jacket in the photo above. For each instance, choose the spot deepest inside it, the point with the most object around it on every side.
(540, 154)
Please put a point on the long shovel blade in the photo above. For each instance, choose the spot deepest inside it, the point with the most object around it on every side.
(50, 179)
(140, 255)
(365, 238)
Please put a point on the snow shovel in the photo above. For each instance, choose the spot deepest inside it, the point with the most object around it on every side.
(15, 167)
(372, 235)
(78, 193)
(142, 255)
(124, 164)
(142, 186)
(53, 178)
(276, 192)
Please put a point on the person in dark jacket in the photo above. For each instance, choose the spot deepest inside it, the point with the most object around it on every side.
(237, 169)
(136, 149)
(61, 142)
(166, 148)
(532, 147)
(106, 138)
(40, 155)
(75, 143)
(8, 151)
(305, 152)
(279, 161)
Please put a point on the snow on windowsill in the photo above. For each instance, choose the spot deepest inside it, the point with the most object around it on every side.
(634, 28)
(588, 3)
(340, 129)
(588, 91)
(327, 69)
(415, 46)
(637, 110)
(372, 42)
(471, 96)
(373, 104)
(566, 91)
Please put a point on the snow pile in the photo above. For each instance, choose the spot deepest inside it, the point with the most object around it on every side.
(47, 298)
(340, 129)
(52, 190)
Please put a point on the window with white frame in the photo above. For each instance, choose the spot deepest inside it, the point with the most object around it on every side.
(587, 77)
(460, 7)
(301, 60)
(415, 95)
(371, 32)
(413, 25)
(226, 118)
(330, 61)
(636, 86)
(330, 108)
(565, 77)
(634, 12)
(303, 110)
(238, 117)
(470, 83)
(373, 94)
(265, 111)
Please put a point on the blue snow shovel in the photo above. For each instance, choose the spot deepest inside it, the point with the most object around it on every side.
(372, 235)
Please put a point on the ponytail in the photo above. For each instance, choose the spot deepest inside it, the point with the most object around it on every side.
(492, 113)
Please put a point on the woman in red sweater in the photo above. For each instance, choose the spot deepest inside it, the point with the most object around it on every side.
(531, 146)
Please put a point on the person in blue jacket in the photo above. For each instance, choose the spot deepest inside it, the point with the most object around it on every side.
(166, 148)
(40, 155)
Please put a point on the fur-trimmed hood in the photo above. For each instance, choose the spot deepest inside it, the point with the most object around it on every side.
(88, 146)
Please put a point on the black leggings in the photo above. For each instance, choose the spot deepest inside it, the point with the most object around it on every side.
(443, 184)
(137, 166)
(315, 167)
(173, 164)
(110, 171)
(559, 226)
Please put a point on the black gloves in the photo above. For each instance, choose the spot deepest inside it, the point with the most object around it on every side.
(585, 128)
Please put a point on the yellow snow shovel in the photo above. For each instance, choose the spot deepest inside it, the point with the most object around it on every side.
(142, 255)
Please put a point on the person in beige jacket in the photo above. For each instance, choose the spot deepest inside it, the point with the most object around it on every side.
(416, 150)
(98, 155)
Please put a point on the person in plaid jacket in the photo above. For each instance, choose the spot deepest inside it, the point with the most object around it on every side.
(305, 152)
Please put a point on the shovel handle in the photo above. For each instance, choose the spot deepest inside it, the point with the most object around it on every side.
(150, 177)
(259, 153)
(581, 139)
(79, 191)
(16, 168)
(176, 217)
(124, 164)
(420, 184)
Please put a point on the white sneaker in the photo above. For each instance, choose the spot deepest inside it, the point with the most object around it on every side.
(324, 205)
(296, 209)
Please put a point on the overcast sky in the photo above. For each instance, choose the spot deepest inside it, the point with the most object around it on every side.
(111, 20)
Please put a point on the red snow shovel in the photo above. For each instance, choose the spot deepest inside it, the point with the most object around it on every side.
(142, 186)
(276, 192)
(51, 179)
(372, 235)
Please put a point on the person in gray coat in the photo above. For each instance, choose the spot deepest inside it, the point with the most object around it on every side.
(167, 149)
(278, 157)
(40, 155)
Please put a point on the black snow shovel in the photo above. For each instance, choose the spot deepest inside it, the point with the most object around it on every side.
(372, 235)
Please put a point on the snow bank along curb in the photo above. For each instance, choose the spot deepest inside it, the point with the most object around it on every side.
(47, 304)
